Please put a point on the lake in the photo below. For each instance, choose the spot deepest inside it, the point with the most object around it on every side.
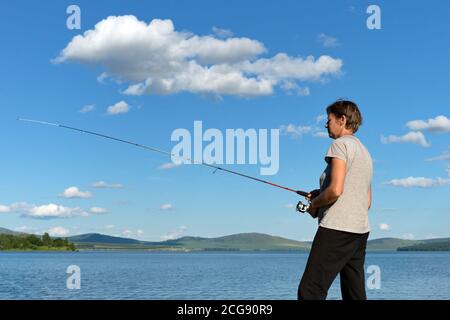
(207, 275)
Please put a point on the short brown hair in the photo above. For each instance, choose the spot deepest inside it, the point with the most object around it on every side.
(348, 109)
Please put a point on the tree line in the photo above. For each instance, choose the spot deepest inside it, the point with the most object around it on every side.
(34, 242)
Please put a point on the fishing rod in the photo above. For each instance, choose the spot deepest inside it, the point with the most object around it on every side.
(301, 206)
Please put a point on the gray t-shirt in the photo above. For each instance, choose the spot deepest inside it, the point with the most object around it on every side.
(350, 211)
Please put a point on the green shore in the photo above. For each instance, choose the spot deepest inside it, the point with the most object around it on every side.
(31, 242)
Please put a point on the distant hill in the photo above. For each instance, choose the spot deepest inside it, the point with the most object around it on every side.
(235, 242)
(389, 244)
(101, 238)
(428, 246)
(436, 240)
(14, 233)
(243, 241)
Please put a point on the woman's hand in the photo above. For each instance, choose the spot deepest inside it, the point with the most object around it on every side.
(312, 207)
(312, 210)
(313, 194)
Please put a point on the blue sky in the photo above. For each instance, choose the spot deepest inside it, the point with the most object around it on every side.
(398, 75)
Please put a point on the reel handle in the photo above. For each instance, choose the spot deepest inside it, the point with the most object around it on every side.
(302, 207)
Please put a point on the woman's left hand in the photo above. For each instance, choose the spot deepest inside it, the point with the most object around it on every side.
(312, 210)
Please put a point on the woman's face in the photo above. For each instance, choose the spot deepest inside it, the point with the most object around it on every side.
(334, 126)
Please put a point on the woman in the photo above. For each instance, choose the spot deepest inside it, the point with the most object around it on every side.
(341, 205)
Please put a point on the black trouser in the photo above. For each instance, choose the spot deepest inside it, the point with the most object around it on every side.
(334, 252)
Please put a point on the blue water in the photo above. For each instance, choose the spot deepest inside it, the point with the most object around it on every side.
(210, 275)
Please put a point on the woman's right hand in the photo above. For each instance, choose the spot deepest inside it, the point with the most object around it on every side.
(313, 194)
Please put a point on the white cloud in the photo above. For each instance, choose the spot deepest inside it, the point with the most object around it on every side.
(282, 66)
(25, 229)
(4, 209)
(88, 108)
(104, 185)
(442, 182)
(411, 182)
(408, 236)
(174, 234)
(166, 61)
(303, 91)
(384, 227)
(130, 233)
(166, 206)
(297, 131)
(51, 211)
(197, 79)
(127, 233)
(169, 165)
(73, 192)
(448, 170)
(118, 108)
(19, 207)
(438, 124)
(328, 41)
(418, 182)
(320, 134)
(411, 137)
(222, 33)
(289, 206)
(58, 232)
(321, 118)
(97, 210)
(445, 156)
(290, 86)
(102, 77)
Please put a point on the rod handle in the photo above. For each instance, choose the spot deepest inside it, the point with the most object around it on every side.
(302, 193)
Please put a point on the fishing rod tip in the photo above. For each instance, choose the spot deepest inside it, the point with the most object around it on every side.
(37, 121)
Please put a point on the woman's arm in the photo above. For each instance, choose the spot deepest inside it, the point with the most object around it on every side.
(336, 187)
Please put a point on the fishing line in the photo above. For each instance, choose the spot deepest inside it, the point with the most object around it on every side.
(302, 207)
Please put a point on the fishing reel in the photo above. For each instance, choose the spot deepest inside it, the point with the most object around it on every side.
(302, 207)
